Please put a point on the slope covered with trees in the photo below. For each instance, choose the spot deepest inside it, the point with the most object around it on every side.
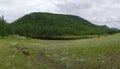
(5, 28)
(48, 24)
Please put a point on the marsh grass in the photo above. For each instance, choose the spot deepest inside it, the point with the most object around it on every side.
(102, 53)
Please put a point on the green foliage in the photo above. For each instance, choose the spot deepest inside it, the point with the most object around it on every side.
(39, 25)
(47, 24)
(5, 28)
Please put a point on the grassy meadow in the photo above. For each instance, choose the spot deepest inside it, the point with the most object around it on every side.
(93, 53)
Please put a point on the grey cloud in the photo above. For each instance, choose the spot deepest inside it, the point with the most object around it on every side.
(73, 6)
(96, 11)
(100, 12)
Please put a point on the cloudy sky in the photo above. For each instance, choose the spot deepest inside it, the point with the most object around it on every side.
(100, 12)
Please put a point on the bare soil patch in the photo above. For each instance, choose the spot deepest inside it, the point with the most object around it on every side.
(2, 44)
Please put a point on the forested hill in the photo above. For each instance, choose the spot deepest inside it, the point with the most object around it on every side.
(47, 24)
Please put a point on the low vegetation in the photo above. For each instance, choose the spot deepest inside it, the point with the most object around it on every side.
(94, 53)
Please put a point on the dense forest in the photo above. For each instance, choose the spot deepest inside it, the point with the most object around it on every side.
(48, 24)
(5, 28)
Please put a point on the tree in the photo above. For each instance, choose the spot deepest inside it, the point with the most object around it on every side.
(2, 27)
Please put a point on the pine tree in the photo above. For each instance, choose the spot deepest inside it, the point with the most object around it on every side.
(2, 21)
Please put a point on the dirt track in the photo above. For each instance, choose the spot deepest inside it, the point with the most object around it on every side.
(2, 44)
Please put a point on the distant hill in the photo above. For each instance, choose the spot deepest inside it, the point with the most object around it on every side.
(47, 24)
(115, 29)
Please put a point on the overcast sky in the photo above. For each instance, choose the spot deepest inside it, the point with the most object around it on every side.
(101, 12)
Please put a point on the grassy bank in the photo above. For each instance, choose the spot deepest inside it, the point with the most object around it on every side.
(94, 53)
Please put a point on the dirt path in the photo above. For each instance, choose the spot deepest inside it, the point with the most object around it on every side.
(2, 44)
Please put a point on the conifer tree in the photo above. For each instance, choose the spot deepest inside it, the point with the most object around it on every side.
(2, 27)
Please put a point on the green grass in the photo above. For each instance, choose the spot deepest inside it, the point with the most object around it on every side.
(94, 53)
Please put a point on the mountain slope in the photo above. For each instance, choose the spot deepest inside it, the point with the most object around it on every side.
(48, 24)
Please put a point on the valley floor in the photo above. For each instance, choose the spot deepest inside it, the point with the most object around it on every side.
(94, 53)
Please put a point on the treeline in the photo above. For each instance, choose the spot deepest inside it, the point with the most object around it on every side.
(5, 28)
(46, 24)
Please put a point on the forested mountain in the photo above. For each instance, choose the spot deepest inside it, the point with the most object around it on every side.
(48, 24)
